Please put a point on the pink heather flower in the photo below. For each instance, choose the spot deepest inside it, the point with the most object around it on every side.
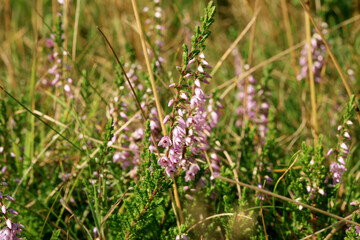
(300, 207)
(170, 102)
(165, 142)
(330, 152)
(321, 191)
(349, 122)
(49, 42)
(164, 161)
(347, 135)
(3, 209)
(170, 171)
(183, 96)
(341, 160)
(337, 170)
(6, 234)
(190, 174)
(152, 148)
(158, 14)
(9, 198)
(343, 146)
(172, 85)
(199, 93)
(166, 119)
(200, 69)
(12, 211)
(67, 88)
(8, 223)
(197, 83)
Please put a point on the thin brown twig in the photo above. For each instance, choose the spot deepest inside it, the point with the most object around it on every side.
(262, 64)
(130, 84)
(233, 45)
(287, 199)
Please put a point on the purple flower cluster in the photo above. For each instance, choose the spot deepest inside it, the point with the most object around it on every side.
(12, 230)
(191, 122)
(57, 74)
(131, 138)
(256, 106)
(340, 153)
(155, 30)
(318, 51)
(357, 228)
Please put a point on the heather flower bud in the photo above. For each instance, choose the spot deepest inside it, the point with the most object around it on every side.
(343, 146)
(166, 119)
(8, 223)
(200, 69)
(3, 209)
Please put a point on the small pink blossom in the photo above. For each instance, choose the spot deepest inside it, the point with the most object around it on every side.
(165, 142)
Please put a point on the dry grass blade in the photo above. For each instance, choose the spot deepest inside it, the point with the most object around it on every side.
(151, 74)
(311, 78)
(288, 169)
(288, 200)
(76, 219)
(112, 209)
(233, 45)
(215, 216)
(52, 207)
(262, 64)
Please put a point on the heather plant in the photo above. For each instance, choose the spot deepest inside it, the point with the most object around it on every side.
(157, 120)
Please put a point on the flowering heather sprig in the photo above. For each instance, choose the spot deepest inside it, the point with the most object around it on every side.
(130, 138)
(353, 232)
(190, 121)
(155, 30)
(309, 185)
(340, 153)
(12, 230)
(318, 51)
(58, 72)
(257, 108)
